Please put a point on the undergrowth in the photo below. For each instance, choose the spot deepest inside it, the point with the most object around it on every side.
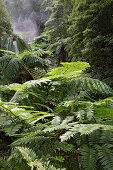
(61, 122)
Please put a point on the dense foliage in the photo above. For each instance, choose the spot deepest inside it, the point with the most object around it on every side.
(92, 32)
(5, 23)
(86, 29)
(57, 118)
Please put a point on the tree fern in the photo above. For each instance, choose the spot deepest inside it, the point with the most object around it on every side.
(13, 66)
(68, 128)
(32, 61)
(89, 154)
(8, 42)
(66, 89)
(4, 61)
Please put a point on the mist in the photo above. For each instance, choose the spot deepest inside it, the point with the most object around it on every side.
(26, 28)
(27, 18)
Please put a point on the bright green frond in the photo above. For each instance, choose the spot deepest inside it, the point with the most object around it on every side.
(72, 69)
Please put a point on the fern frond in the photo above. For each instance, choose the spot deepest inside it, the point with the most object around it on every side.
(35, 88)
(13, 87)
(33, 61)
(25, 158)
(92, 87)
(12, 129)
(65, 89)
(72, 69)
(84, 129)
(104, 108)
(89, 158)
(105, 157)
(56, 120)
(4, 61)
(67, 120)
(4, 40)
(64, 146)
(6, 52)
(13, 68)
(31, 137)
(29, 116)
(30, 156)
(11, 46)
(9, 125)
(106, 137)
(56, 128)
(21, 44)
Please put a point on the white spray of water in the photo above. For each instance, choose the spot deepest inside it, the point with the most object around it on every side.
(28, 23)
(26, 28)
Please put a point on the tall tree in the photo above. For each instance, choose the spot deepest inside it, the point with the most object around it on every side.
(56, 29)
(57, 25)
(92, 34)
(5, 23)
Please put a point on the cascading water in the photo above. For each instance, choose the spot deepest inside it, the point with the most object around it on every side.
(27, 19)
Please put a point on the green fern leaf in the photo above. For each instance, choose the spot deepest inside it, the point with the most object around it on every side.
(69, 69)
(33, 61)
(105, 157)
(89, 158)
(84, 129)
(13, 68)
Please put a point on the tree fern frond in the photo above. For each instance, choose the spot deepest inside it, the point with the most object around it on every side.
(12, 129)
(21, 45)
(33, 61)
(11, 46)
(36, 136)
(89, 158)
(56, 120)
(62, 89)
(104, 112)
(56, 128)
(84, 129)
(36, 88)
(13, 68)
(105, 157)
(67, 120)
(9, 125)
(103, 108)
(4, 40)
(30, 156)
(65, 146)
(14, 86)
(29, 116)
(106, 137)
(93, 86)
(24, 157)
(4, 61)
(69, 69)
(7, 52)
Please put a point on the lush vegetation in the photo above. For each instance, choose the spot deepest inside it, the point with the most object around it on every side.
(56, 113)
(85, 27)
